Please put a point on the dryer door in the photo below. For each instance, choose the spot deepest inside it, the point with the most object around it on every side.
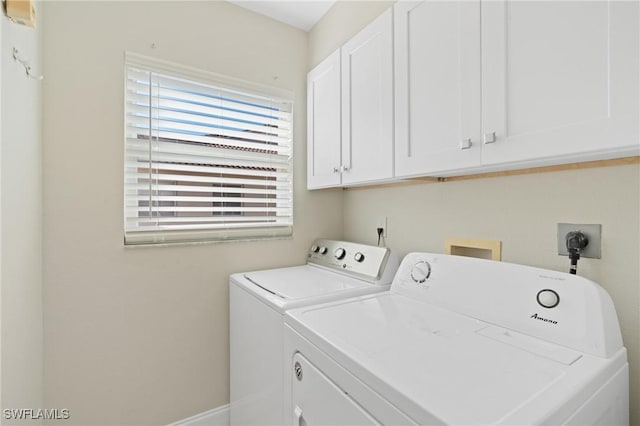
(317, 400)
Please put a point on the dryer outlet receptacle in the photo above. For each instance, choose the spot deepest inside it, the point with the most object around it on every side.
(592, 231)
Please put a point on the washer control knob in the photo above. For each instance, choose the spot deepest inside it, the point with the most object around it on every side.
(339, 253)
(359, 257)
(421, 271)
(548, 298)
(315, 249)
(323, 250)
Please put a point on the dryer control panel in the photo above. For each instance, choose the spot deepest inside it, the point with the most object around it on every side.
(371, 263)
(557, 307)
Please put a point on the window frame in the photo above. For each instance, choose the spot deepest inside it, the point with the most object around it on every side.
(226, 232)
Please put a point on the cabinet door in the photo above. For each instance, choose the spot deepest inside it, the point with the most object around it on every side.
(559, 80)
(367, 103)
(323, 123)
(437, 76)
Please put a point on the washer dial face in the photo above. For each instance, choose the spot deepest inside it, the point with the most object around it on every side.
(421, 271)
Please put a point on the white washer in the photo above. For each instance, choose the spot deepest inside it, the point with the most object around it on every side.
(258, 300)
(460, 341)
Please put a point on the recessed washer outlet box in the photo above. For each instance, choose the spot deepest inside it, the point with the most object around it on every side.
(592, 231)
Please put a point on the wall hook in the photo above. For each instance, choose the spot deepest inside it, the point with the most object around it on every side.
(25, 64)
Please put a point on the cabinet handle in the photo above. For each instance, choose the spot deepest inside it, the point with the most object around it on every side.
(344, 169)
(465, 143)
(336, 170)
(489, 137)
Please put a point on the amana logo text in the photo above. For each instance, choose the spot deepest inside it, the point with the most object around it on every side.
(536, 316)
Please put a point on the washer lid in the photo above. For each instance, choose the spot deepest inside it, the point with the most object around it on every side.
(437, 365)
(300, 282)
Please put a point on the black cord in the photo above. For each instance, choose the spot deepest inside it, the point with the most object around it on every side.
(574, 255)
(576, 242)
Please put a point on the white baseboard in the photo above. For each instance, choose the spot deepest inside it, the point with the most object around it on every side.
(216, 417)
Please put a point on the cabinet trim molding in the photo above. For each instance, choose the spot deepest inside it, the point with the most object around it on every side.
(532, 170)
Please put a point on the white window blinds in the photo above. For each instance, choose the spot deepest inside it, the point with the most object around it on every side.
(204, 159)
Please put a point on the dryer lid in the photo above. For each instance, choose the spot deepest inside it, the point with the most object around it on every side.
(440, 366)
(300, 282)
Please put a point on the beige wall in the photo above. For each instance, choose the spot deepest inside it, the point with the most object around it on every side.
(140, 336)
(21, 220)
(521, 211)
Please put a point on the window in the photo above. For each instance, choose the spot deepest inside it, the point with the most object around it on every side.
(207, 158)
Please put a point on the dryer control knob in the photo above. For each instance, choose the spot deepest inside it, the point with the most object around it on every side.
(421, 271)
(323, 250)
(548, 298)
(315, 249)
(359, 257)
(339, 253)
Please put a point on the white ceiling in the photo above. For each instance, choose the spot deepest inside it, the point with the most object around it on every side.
(301, 14)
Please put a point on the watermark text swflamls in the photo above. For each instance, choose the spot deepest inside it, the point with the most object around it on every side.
(36, 413)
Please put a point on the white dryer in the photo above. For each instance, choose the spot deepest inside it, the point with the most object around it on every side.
(460, 341)
(258, 300)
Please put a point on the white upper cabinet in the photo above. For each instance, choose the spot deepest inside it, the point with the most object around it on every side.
(323, 123)
(350, 111)
(497, 85)
(367, 103)
(437, 83)
(560, 80)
